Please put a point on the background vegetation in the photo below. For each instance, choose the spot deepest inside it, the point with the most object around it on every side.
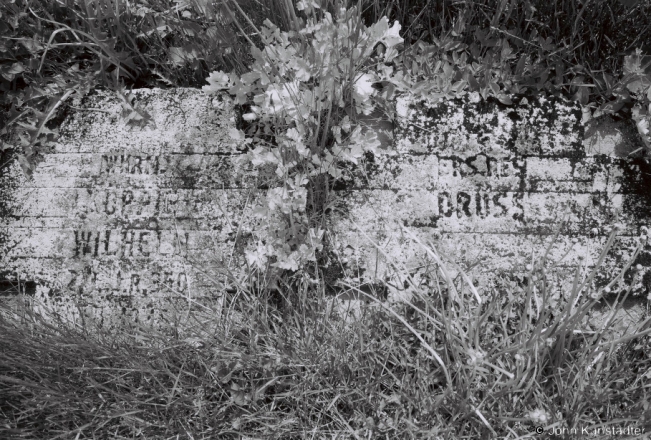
(443, 366)
(56, 49)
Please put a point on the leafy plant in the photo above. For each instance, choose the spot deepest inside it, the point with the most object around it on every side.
(308, 87)
(52, 53)
(573, 47)
(637, 79)
(301, 89)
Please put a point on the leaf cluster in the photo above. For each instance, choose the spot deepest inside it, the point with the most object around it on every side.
(52, 53)
(576, 48)
(309, 85)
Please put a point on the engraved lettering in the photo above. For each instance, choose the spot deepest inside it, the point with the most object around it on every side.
(463, 204)
(97, 237)
(90, 276)
(82, 243)
(134, 285)
(143, 239)
(129, 164)
(127, 243)
(490, 166)
(461, 168)
(108, 163)
(479, 164)
(445, 207)
(107, 237)
(181, 282)
(170, 203)
(136, 160)
(148, 167)
(161, 165)
(118, 279)
(482, 203)
(111, 203)
(496, 201)
(127, 197)
(168, 279)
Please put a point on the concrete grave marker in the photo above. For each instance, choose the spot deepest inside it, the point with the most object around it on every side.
(133, 218)
(488, 186)
(124, 214)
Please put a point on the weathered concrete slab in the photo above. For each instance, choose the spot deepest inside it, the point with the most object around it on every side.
(488, 186)
(124, 215)
(132, 219)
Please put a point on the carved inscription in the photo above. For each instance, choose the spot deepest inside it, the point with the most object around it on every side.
(479, 204)
(129, 213)
(479, 164)
(126, 283)
(131, 164)
(180, 164)
(496, 184)
(126, 243)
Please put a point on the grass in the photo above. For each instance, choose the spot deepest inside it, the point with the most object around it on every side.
(442, 366)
